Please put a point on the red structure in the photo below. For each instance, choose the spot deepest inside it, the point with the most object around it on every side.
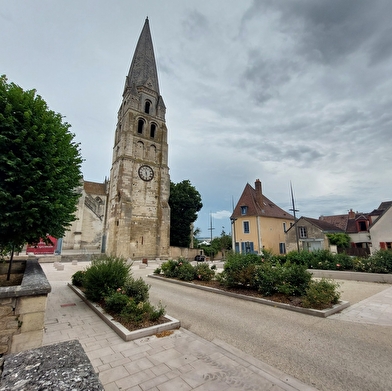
(42, 248)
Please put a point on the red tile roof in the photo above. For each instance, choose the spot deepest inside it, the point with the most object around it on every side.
(258, 206)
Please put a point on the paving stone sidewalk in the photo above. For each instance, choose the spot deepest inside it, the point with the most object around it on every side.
(180, 361)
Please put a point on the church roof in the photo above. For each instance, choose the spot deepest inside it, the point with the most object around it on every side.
(143, 70)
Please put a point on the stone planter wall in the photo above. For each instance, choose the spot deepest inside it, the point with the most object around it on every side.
(22, 311)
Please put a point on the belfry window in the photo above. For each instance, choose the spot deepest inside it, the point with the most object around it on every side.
(152, 130)
(140, 126)
(147, 106)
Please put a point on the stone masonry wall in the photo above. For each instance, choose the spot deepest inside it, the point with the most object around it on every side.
(21, 323)
(8, 323)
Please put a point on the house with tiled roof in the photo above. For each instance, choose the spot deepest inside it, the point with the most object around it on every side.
(380, 229)
(309, 234)
(258, 223)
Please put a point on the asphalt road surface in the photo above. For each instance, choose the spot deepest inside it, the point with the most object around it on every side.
(328, 354)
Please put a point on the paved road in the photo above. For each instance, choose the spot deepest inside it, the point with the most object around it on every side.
(329, 354)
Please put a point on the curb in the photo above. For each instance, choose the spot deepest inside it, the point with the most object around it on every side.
(123, 332)
(308, 311)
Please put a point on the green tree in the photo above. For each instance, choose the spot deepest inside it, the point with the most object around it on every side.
(39, 169)
(185, 202)
(341, 240)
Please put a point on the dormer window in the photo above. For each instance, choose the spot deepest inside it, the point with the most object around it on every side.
(362, 226)
(244, 210)
(147, 106)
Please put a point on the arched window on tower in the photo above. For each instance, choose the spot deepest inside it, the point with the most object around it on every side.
(140, 150)
(147, 107)
(153, 153)
(140, 126)
(153, 129)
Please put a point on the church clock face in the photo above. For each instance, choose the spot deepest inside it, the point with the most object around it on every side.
(146, 173)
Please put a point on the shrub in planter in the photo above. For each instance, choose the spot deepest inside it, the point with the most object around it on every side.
(300, 258)
(116, 301)
(295, 279)
(169, 268)
(203, 272)
(186, 271)
(381, 262)
(321, 294)
(239, 269)
(157, 270)
(105, 275)
(137, 289)
(343, 262)
(78, 278)
(139, 312)
(267, 278)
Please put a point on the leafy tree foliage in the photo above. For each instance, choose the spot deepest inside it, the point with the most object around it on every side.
(185, 202)
(339, 239)
(39, 168)
(222, 243)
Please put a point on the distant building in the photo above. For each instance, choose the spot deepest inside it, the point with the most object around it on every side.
(258, 223)
(311, 235)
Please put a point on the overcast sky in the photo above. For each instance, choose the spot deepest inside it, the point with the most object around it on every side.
(276, 90)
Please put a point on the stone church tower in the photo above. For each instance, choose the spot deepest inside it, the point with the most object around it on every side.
(138, 216)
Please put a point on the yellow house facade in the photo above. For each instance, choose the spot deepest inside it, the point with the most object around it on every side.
(258, 223)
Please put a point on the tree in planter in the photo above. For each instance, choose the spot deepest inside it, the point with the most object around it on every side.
(185, 202)
(39, 169)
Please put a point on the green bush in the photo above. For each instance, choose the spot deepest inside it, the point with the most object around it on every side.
(295, 279)
(116, 301)
(240, 269)
(141, 312)
(181, 269)
(203, 272)
(321, 294)
(379, 262)
(157, 270)
(78, 278)
(137, 289)
(267, 278)
(186, 271)
(104, 276)
(169, 268)
(300, 258)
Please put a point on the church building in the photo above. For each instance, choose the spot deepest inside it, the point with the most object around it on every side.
(135, 222)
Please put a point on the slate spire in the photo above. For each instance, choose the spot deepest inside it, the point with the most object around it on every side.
(143, 70)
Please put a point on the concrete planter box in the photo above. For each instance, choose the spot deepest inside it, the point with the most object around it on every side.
(355, 276)
(124, 333)
(309, 311)
(22, 309)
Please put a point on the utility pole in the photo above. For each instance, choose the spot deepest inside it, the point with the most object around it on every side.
(295, 217)
(211, 228)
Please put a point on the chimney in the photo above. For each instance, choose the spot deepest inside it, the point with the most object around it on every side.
(351, 214)
(259, 193)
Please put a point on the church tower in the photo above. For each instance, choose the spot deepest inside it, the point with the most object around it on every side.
(138, 220)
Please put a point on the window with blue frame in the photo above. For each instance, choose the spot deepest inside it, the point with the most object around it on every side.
(246, 227)
(282, 248)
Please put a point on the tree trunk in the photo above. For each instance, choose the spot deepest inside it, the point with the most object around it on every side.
(10, 265)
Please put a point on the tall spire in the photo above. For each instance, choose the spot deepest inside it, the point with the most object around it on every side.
(143, 70)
